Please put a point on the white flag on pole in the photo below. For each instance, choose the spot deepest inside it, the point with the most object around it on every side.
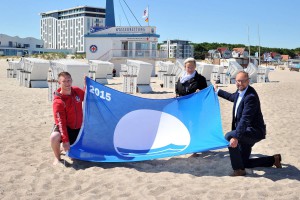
(146, 13)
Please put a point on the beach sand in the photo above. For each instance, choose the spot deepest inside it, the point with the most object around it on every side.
(26, 157)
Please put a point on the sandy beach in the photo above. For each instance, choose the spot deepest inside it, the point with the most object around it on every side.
(26, 157)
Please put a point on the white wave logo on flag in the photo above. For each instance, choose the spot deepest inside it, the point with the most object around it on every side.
(119, 127)
(136, 136)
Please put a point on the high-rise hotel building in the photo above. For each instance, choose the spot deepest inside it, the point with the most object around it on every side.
(65, 29)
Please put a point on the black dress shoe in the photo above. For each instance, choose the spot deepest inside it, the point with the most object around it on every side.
(238, 172)
(194, 155)
(277, 162)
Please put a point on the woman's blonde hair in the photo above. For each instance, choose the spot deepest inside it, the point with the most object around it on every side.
(190, 60)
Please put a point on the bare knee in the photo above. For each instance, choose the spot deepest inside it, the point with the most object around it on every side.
(55, 137)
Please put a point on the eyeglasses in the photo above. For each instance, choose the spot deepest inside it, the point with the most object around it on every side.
(242, 81)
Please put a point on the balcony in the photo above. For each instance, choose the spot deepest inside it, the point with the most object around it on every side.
(118, 53)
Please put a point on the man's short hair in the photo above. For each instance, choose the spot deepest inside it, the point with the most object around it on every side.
(190, 60)
(64, 74)
(243, 72)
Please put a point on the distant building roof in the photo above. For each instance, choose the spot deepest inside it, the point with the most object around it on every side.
(177, 41)
(98, 9)
(239, 50)
(285, 57)
(212, 51)
(222, 49)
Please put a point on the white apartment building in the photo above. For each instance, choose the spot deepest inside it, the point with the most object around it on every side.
(65, 29)
(177, 49)
(16, 46)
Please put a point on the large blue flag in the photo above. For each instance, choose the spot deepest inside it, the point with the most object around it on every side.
(119, 127)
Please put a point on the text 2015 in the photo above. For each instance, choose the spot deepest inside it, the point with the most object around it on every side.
(100, 93)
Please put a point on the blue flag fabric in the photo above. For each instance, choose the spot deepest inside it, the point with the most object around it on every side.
(119, 127)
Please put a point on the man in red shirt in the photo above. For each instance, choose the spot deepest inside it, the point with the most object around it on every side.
(68, 115)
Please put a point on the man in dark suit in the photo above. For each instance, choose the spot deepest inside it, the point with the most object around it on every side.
(248, 127)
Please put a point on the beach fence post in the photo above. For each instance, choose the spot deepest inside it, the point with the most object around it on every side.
(19, 69)
(52, 84)
(22, 77)
(9, 70)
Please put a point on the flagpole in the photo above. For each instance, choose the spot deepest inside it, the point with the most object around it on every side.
(249, 46)
(258, 46)
(148, 15)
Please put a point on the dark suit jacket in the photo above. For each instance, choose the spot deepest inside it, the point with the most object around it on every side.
(249, 120)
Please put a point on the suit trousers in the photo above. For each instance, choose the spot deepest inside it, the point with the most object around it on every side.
(240, 156)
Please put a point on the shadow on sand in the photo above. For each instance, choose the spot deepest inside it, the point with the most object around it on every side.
(211, 163)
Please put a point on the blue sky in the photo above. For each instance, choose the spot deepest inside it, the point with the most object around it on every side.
(195, 20)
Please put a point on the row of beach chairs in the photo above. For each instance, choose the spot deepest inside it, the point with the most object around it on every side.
(169, 72)
(40, 73)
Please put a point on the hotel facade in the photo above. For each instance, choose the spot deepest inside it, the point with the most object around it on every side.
(177, 49)
(93, 31)
(65, 29)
